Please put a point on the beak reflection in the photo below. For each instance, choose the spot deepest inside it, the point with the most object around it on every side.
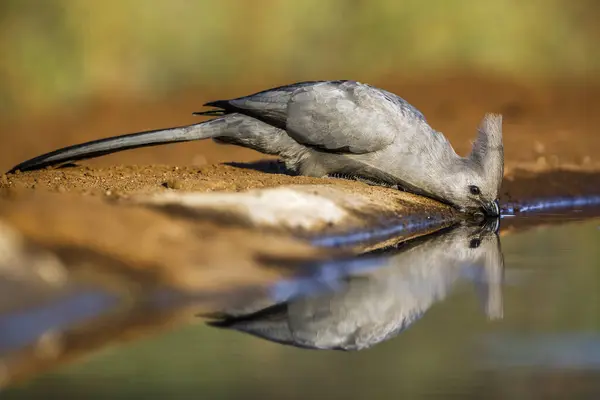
(492, 209)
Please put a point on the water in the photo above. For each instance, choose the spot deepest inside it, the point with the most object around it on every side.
(456, 315)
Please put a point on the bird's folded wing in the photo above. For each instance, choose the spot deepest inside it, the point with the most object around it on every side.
(349, 117)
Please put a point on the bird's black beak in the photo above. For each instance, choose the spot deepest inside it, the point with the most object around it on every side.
(492, 209)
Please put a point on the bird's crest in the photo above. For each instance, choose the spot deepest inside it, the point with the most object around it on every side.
(488, 150)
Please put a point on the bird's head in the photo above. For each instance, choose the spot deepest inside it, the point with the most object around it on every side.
(474, 186)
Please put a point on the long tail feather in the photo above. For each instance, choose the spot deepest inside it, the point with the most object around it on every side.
(115, 144)
(210, 113)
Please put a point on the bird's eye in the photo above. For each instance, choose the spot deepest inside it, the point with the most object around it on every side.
(474, 190)
(474, 243)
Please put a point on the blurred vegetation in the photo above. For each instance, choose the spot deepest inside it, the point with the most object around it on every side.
(61, 51)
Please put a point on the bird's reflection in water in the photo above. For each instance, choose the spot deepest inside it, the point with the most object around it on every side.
(355, 304)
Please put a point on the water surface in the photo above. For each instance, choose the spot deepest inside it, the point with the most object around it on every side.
(509, 318)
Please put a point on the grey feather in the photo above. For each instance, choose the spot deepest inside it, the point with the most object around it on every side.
(347, 118)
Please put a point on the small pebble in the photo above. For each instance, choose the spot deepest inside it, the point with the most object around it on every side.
(173, 184)
(4, 179)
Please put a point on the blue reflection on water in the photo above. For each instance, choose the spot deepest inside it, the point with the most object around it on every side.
(548, 351)
(21, 328)
(510, 209)
(405, 225)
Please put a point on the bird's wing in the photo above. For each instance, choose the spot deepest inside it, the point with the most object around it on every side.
(350, 117)
(269, 106)
(335, 116)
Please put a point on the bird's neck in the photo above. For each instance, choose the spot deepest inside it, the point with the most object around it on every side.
(439, 175)
(451, 177)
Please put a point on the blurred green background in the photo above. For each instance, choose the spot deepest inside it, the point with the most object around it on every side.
(59, 52)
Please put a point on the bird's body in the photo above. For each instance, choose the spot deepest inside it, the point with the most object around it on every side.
(330, 128)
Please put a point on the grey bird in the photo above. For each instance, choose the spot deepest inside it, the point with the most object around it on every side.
(336, 128)
(377, 299)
